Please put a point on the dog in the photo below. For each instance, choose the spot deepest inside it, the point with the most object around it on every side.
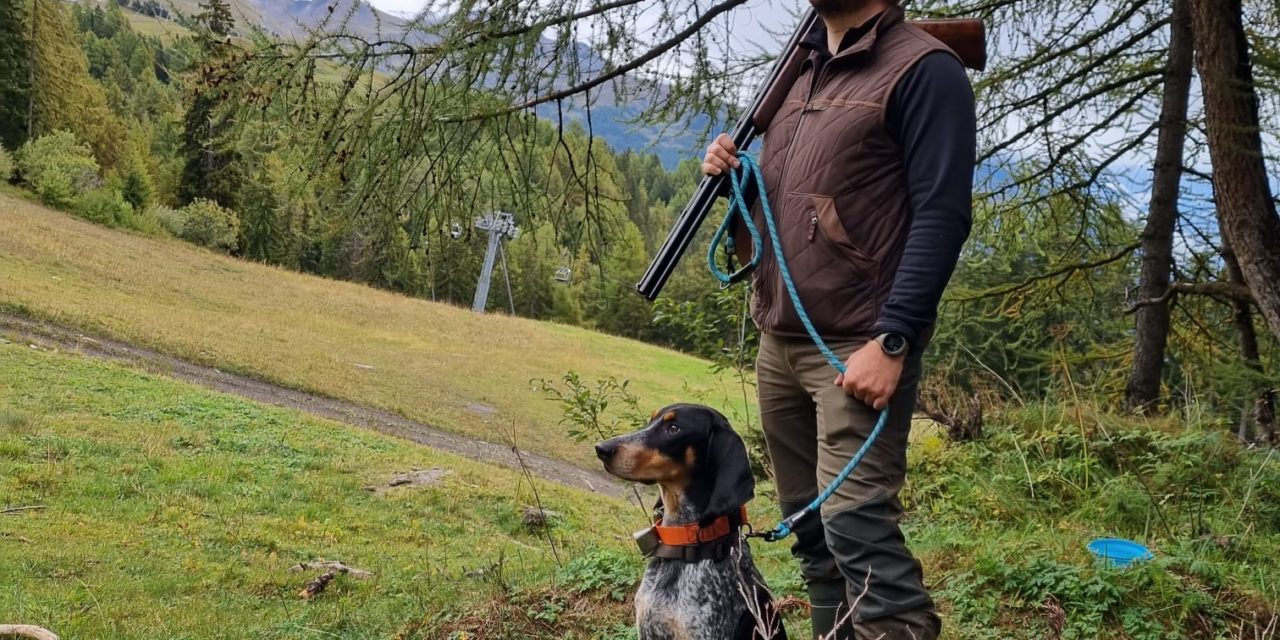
(700, 583)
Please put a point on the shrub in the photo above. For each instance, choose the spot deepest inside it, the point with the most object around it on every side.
(210, 225)
(104, 206)
(6, 165)
(169, 219)
(58, 168)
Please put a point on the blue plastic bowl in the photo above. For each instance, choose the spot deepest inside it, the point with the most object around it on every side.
(1119, 552)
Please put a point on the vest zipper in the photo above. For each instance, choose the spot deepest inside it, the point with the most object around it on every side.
(786, 164)
(808, 103)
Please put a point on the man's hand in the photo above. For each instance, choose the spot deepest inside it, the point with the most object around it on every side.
(871, 375)
(722, 155)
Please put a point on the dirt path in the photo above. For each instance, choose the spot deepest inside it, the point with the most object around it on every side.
(49, 335)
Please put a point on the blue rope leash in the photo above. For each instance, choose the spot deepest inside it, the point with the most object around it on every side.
(750, 170)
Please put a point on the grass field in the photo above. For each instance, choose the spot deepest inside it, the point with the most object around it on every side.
(168, 511)
(174, 512)
(434, 363)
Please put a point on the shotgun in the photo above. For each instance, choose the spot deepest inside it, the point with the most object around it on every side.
(965, 37)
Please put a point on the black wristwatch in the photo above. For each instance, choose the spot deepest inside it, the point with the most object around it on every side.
(893, 344)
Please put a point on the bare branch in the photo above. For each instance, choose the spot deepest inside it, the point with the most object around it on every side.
(1059, 272)
(1220, 290)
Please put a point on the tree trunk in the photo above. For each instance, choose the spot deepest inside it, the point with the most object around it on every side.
(1242, 320)
(1142, 391)
(1246, 211)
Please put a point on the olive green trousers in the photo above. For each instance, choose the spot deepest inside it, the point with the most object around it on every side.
(856, 552)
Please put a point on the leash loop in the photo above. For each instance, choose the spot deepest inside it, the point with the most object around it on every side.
(750, 170)
(724, 233)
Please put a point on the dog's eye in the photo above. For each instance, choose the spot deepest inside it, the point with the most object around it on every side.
(673, 428)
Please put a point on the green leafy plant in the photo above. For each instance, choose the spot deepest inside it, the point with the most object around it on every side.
(210, 225)
(587, 412)
(171, 220)
(58, 168)
(105, 206)
(611, 572)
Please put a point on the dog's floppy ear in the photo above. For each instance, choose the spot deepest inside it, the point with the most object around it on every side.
(734, 485)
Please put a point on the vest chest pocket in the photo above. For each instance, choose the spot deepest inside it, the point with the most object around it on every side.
(825, 226)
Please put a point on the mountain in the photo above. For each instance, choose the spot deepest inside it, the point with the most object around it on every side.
(607, 119)
(293, 18)
(616, 125)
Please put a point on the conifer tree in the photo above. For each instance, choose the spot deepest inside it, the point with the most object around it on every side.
(63, 95)
(211, 166)
(262, 232)
(15, 59)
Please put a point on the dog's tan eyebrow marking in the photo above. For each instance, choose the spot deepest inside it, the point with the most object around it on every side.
(669, 416)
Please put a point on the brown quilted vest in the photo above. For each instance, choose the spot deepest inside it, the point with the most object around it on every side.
(836, 184)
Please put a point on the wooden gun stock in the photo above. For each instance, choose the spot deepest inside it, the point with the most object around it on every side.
(965, 37)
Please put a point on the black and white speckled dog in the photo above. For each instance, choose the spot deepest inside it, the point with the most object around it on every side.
(700, 583)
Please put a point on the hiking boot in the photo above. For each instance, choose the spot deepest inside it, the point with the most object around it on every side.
(917, 624)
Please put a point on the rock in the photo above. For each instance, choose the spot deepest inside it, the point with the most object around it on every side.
(418, 478)
(537, 518)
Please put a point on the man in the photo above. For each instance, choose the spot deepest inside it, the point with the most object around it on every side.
(868, 168)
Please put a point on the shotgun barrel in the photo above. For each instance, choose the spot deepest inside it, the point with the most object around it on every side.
(965, 37)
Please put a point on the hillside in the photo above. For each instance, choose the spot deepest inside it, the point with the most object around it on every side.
(138, 503)
(166, 511)
(440, 365)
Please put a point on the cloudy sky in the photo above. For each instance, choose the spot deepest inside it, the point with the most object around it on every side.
(750, 23)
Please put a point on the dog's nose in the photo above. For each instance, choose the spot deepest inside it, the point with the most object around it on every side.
(604, 451)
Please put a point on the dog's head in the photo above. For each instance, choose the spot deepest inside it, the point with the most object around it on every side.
(688, 449)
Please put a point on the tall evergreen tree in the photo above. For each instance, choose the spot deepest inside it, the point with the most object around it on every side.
(262, 231)
(211, 166)
(15, 60)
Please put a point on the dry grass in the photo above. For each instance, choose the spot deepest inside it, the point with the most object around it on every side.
(431, 362)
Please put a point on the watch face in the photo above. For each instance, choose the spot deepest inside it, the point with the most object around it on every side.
(894, 343)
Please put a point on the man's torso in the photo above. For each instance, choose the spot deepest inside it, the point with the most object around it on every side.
(836, 185)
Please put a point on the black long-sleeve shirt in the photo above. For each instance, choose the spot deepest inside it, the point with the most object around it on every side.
(931, 117)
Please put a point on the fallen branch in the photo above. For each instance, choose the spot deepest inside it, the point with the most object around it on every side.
(332, 570)
(27, 631)
(32, 507)
(317, 586)
(1228, 290)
